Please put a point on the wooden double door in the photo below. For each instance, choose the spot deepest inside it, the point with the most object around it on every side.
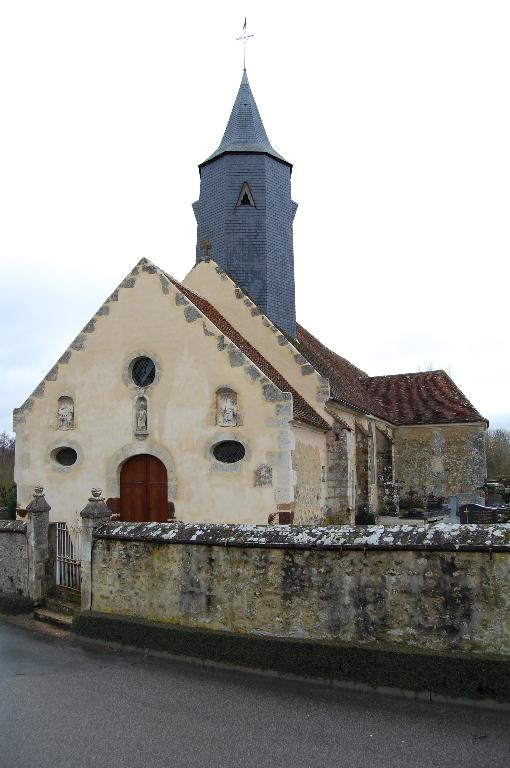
(143, 490)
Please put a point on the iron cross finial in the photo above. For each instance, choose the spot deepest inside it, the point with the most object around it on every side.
(244, 37)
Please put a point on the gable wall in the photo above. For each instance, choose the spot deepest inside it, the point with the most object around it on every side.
(208, 280)
(194, 360)
(443, 460)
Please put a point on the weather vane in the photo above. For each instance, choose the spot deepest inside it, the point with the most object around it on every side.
(244, 37)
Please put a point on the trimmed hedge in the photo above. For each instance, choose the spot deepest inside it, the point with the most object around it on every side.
(454, 675)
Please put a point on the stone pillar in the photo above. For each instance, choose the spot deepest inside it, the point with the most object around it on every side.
(38, 518)
(338, 510)
(95, 513)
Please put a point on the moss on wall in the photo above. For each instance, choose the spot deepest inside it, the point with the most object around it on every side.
(13, 559)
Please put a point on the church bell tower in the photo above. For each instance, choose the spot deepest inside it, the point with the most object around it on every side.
(245, 212)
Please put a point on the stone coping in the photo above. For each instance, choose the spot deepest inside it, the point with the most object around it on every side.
(441, 536)
(13, 526)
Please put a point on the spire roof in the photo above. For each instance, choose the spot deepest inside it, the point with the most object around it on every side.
(245, 131)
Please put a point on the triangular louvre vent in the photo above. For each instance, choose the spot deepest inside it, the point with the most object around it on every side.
(245, 196)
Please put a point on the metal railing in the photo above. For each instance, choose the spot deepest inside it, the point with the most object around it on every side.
(67, 563)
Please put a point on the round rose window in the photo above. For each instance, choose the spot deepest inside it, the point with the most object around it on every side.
(143, 371)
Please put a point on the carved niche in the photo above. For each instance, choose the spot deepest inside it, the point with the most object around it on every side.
(227, 412)
(141, 417)
(65, 413)
(263, 475)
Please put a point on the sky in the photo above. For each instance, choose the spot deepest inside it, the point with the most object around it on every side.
(396, 118)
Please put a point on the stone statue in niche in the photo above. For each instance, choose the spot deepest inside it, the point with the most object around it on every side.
(227, 414)
(65, 413)
(141, 417)
(263, 475)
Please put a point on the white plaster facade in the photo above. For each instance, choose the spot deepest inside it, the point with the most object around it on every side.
(149, 317)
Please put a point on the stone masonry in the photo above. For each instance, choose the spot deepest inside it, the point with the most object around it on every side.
(13, 558)
(440, 460)
(338, 474)
(443, 588)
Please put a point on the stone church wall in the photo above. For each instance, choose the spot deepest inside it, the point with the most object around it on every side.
(309, 461)
(443, 588)
(363, 456)
(440, 460)
(340, 476)
(385, 474)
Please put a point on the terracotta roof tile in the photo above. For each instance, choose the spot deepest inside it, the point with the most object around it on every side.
(430, 397)
(344, 378)
(408, 398)
(302, 410)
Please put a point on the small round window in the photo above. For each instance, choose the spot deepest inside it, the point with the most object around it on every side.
(66, 456)
(143, 371)
(229, 451)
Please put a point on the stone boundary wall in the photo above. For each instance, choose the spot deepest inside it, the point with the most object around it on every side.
(13, 558)
(442, 588)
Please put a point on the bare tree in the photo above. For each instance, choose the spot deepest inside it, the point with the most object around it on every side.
(498, 453)
(7, 487)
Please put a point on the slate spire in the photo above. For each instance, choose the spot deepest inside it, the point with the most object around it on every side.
(245, 213)
(245, 130)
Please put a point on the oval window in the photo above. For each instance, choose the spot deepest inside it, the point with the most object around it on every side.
(66, 456)
(229, 451)
(143, 371)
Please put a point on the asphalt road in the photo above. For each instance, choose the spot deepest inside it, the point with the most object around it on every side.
(66, 704)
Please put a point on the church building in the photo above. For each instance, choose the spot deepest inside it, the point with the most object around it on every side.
(205, 400)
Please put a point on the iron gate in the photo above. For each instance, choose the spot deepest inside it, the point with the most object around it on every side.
(67, 564)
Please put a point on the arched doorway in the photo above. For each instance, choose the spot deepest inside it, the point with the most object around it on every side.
(143, 490)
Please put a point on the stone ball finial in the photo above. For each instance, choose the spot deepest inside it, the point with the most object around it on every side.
(38, 503)
(96, 508)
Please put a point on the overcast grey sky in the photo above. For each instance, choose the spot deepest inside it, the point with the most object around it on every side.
(395, 115)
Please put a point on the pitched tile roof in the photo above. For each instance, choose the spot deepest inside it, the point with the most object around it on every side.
(302, 410)
(430, 397)
(344, 378)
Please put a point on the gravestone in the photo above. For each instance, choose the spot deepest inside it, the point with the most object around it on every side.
(460, 499)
